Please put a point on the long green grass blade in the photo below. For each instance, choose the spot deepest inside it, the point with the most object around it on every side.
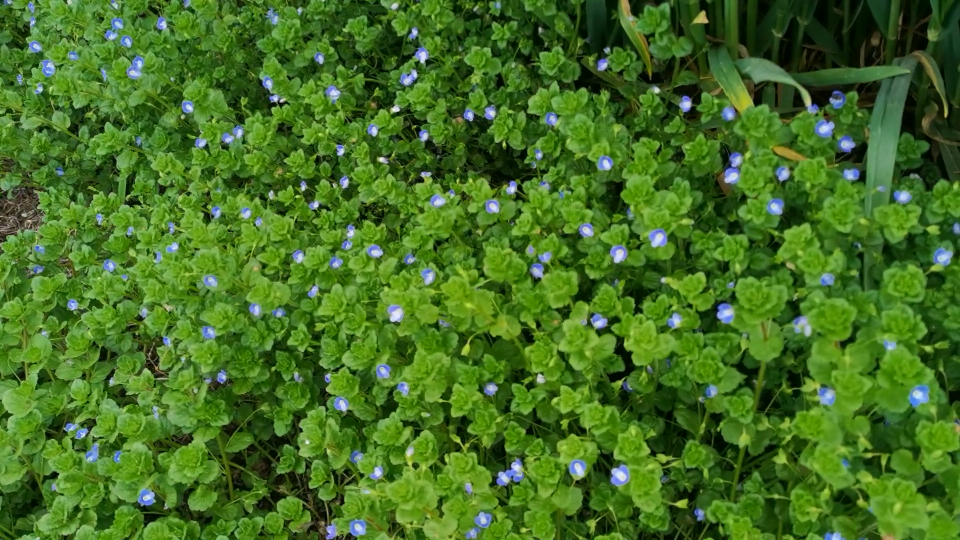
(640, 42)
(933, 73)
(597, 16)
(760, 70)
(951, 162)
(727, 76)
(846, 76)
(885, 122)
(731, 14)
(880, 9)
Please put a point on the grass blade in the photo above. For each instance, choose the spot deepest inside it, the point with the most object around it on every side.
(597, 24)
(638, 40)
(845, 76)
(880, 9)
(727, 76)
(788, 153)
(731, 14)
(885, 122)
(951, 162)
(933, 73)
(760, 70)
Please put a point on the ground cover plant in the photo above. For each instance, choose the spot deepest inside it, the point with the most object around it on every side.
(437, 270)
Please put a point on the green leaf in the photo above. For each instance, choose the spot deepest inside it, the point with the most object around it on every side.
(628, 22)
(847, 76)
(725, 72)
(597, 19)
(761, 70)
(60, 120)
(202, 498)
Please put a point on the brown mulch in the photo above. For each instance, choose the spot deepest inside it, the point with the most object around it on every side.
(19, 212)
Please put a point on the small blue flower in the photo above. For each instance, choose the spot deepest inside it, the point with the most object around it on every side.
(186, 107)
(116, 456)
(711, 391)
(674, 320)
(423, 135)
(490, 388)
(414, 32)
(783, 173)
(161, 23)
(38, 90)
(237, 131)
(358, 527)
(605, 163)
(725, 313)
(133, 72)
(81, 433)
(824, 128)
(93, 454)
(129, 231)
(531, 251)
(658, 238)
(110, 35)
(341, 404)
(846, 144)
(340, 150)
(267, 83)
(492, 206)
(490, 112)
(919, 395)
(468, 115)
(536, 270)
(827, 396)
(208, 332)
(126, 41)
(298, 256)
(598, 321)
(69, 427)
(851, 175)
(383, 371)
(686, 104)
(619, 254)
(245, 213)
(375, 251)
(336, 262)
(166, 341)
(273, 17)
(258, 222)
(210, 280)
(545, 256)
(34, 47)
(222, 375)
(428, 276)
(620, 475)
(551, 119)
(483, 520)
(255, 310)
(146, 497)
(116, 23)
(421, 55)
(902, 197)
(503, 479)
(200, 142)
(72, 304)
(699, 514)
(775, 207)
(319, 58)
(728, 113)
(279, 312)
(956, 229)
(47, 68)
(827, 279)
(30, 7)
(889, 345)
(577, 468)
(109, 265)
(40, 250)
(347, 244)
(395, 313)
(373, 130)
(313, 292)
(736, 159)
(837, 99)
(731, 175)
(800, 324)
(537, 154)
(144, 313)
(332, 93)
(586, 230)
(472, 533)
(813, 109)
(377, 473)
(602, 64)
(942, 256)
(403, 388)
(331, 532)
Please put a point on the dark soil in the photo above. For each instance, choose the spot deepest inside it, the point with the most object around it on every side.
(19, 212)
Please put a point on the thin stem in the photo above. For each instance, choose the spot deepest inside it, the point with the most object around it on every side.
(751, 26)
(893, 28)
(756, 403)
(226, 465)
(732, 15)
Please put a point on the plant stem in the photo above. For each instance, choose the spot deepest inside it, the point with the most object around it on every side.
(751, 26)
(743, 449)
(893, 27)
(732, 16)
(226, 465)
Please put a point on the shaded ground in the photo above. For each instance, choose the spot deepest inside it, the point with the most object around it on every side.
(19, 212)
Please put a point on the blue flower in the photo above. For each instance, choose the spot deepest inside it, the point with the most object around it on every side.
(783, 173)
(318, 58)
(837, 99)
(336, 262)
(313, 292)
(428, 276)
(827, 395)
(255, 310)
(537, 154)
(685, 104)
(109, 265)
(658, 238)
(47, 68)
(468, 115)
(39, 89)
(403, 388)
(110, 35)
(711, 391)
(699, 514)
(800, 324)
(373, 130)
(919, 395)
(116, 456)
(889, 345)
(598, 321)
(490, 112)
(208, 332)
(30, 7)
(99, 218)
(536, 270)
(736, 159)
(332, 93)
(824, 128)
(395, 313)
(545, 256)
(942, 256)
(72, 304)
(93, 454)
(531, 251)
(725, 313)
(846, 144)
(341, 404)
(273, 16)
(602, 64)
(314, 205)
(245, 213)
(813, 109)
(421, 55)
(483, 520)
(69, 427)
(731, 176)
(146, 497)
(423, 135)
(551, 119)
(126, 41)
(238, 131)
(210, 280)
(511, 188)
(279, 312)
(344, 182)
(186, 107)
(161, 23)
(851, 175)
(133, 72)
(674, 320)
(72, 55)
(37, 269)
(346, 245)
(267, 83)
(116, 23)
(492, 206)
(956, 229)
(902, 197)
(472, 533)
(503, 479)
(619, 254)
(827, 279)
(144, 313)
(34, 47)
(200, 142)
(298, 256)
(620, 475)
(775, 207)
(577, 468)
(375, 251)
(377, 473)
(605, 163)
(331, 532)
(129, 231)
(258, 222)
(39, 250)
(59, 171)
(166, 341)
(81, 433)
(358, 527)
(728, 113)
(222, 375)
(340, 150)
(586, 230)
(490, 388)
